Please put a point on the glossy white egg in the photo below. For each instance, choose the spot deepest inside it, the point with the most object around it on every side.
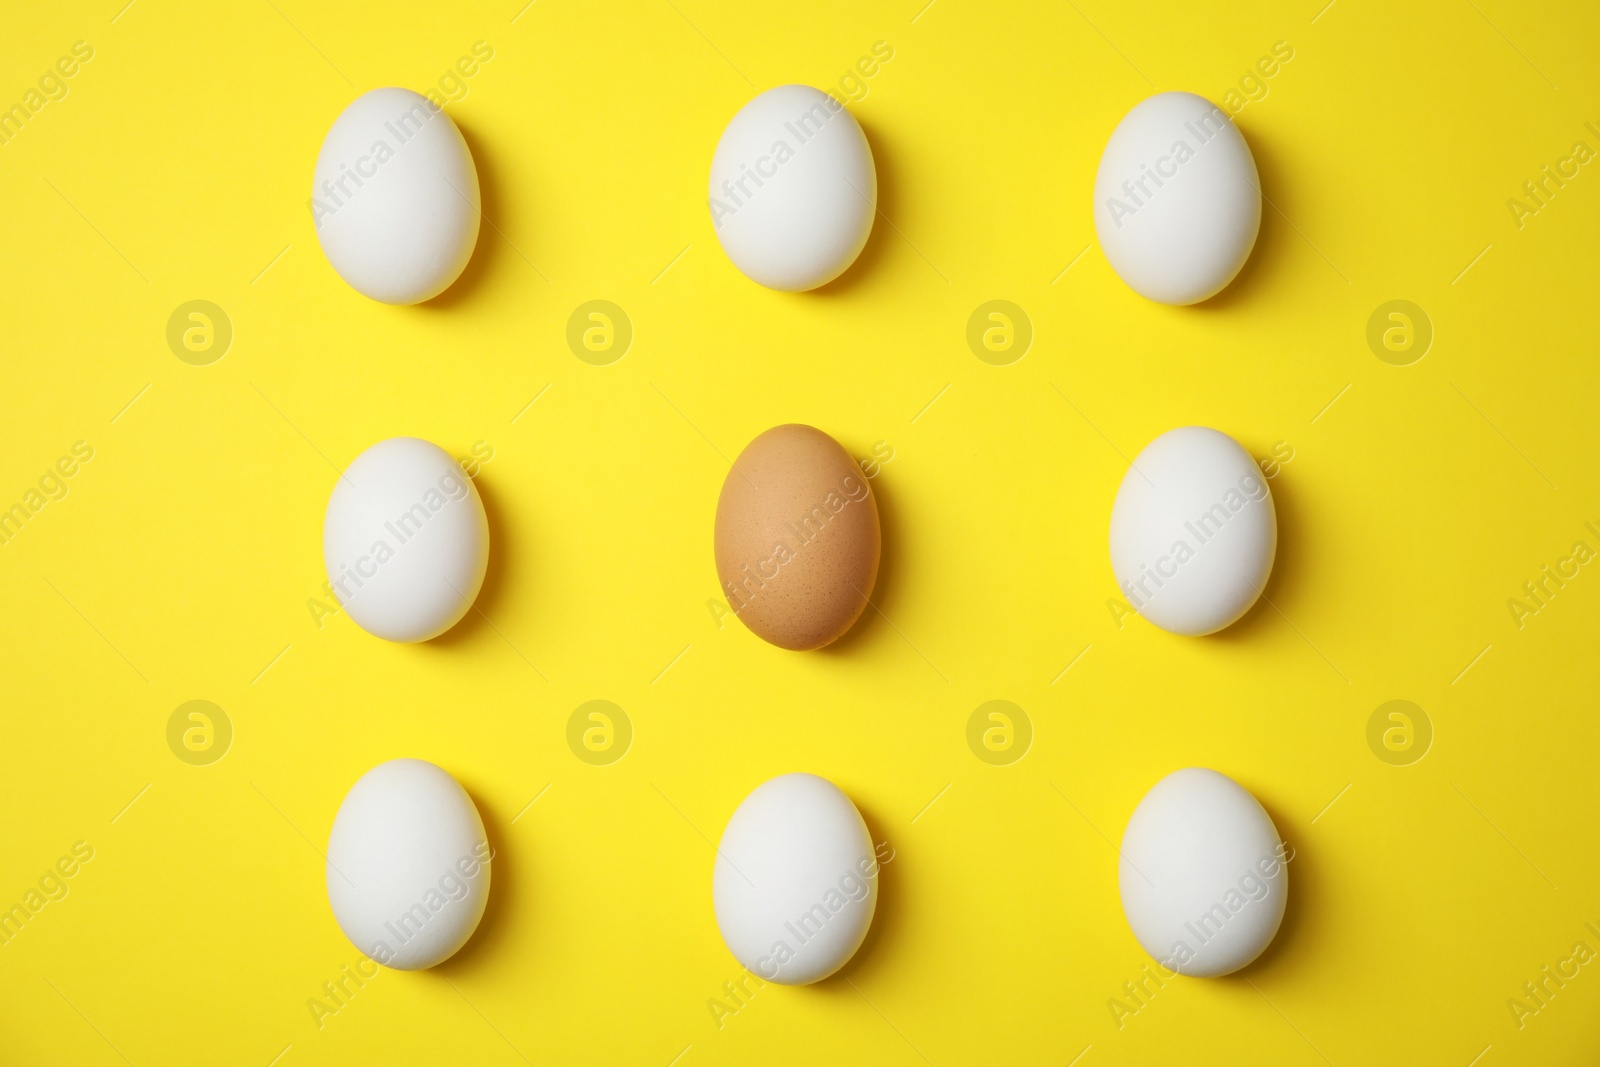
(1193, 531)
(395, 197)
(1177, 200)
(793, 188)
(1204, 875)
(408, 865)
(796, 880)
(405, 540)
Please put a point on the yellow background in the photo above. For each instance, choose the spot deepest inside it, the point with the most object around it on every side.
(180, 563)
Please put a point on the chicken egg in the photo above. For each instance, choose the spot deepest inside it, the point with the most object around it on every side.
(1193, 531)
(408, 865)
(1177, 200)
(405, 540)
(1204, 875)
(394, 200)
(793, 189)
(797, 538)
(796, 880)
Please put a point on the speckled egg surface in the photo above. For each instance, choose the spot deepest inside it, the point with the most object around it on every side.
(797, 538)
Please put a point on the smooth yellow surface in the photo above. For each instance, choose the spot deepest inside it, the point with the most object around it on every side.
(180, 563)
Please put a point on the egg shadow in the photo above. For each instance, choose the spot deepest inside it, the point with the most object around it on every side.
(866, 263)
(884, 588)
(885, 921)
(502, 887)
(494, 583)
(486, 253)
(1287, 571)
(1300, 871)
(1271, 239)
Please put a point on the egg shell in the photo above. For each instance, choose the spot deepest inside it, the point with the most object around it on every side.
(405, 540)
(1177, 200)
(793, 188)
(394, 199)
(1194, 531)
(797, 538)
(408, 865)
(1204, 875)
(796, 880)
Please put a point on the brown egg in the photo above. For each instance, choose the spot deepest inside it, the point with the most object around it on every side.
(797, 538)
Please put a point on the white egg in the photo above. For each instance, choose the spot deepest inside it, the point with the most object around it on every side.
(796, 880)
(1177, 201)
(1193, 531)
(793, 189)
(405, 540)
(395, 197)
(408, 865)
(1204, 875)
